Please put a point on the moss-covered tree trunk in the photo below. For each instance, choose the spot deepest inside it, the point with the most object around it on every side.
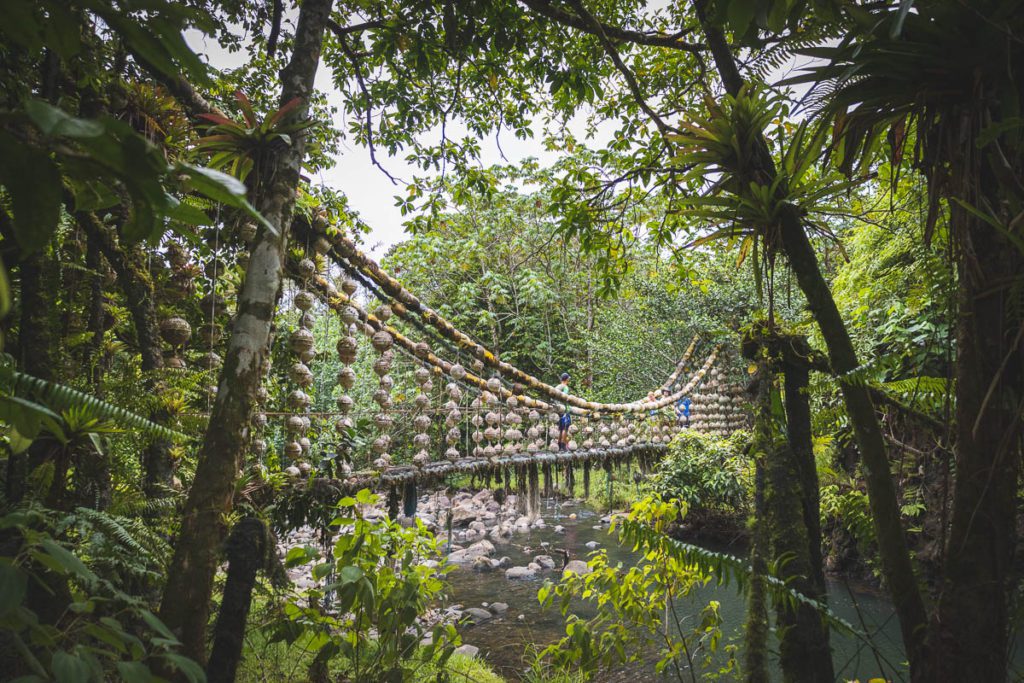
(246, 551)
(970, 639)
(186, 602)
(897, 567)
(130, 265)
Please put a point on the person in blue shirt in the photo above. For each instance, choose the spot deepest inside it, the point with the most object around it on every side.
(565, 420)
(683, 410)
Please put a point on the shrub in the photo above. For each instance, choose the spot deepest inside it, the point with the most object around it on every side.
(706, 472)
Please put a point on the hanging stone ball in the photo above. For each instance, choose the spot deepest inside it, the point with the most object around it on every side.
(533, 416)
(422, 401)
(477, 437)
(247, 232)
(453, 435)
(294, 424)
(386, 382)
(513, 434)
(305, 467)
(494, 385)
(421, 440)
(298, 399)
(210, 334)
(321, 245)
(422, 350)
(457, 372)
(588, 443)
(421, 458)
(210, 361)
(262, 395)
(421, 423)
(343, 424)
(383, 421)
(293, 471)
(427, 386)
(382, 341)
(259, 420)
(384, 313)
(382, 398)
(512, 402)
(422, 375)
(454, 391)
(293, 449)
(347, 378)
(307, 268)
(345, 404)
(452, 454)
(477, 421)
(492, 418)
(513, 418)
(348, 348)
(305, 444)
(478, 366)
(308, 320)
(308, 355)
(258, 448)
(489, 451)
(573, 446)
(490, 398)
(300, 374)
(349, 315)
(380, 445)
(349, 286)
(304, 301)
(382, 463)
(301, 340)
(453, 417)
(382, 366)
(175, 331)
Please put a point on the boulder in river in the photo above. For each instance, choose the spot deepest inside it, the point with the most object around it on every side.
(477, 614)
(469, 555)
(577, 567)
(467, 650)
(545, 561)
(520, 573)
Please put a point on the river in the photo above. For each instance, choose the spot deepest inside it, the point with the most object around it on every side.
(505, 641)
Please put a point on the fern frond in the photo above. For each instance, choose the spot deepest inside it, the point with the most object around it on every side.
(63, 397)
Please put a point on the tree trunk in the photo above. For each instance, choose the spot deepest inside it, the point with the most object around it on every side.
(897, 567)
(971, 631)
(246, 551)
(129, 264)
(186, 602)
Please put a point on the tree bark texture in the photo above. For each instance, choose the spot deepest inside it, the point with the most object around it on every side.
(971, 631)
(186, 602)
(133, 277)
(246, 551)
(897, 567)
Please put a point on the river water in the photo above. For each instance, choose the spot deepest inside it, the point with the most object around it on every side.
(505, 641)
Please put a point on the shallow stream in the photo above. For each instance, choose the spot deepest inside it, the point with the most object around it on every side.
(506, 641)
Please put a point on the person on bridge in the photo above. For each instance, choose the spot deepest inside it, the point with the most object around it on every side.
(683, 410)
(565, 420)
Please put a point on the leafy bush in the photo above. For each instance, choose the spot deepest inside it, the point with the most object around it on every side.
(377, 587)
(706, 472)
(66, 622)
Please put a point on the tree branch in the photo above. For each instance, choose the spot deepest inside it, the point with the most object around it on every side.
(672, 42)
(340, 33)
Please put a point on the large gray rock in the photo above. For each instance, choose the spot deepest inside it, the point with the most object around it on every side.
(545, 561)
(462, 516)
(592, 544)
(467, 650)
(520, 573)
(477, 614)
(576, 567)
(469, 555)
(498, 607)
(483, 564)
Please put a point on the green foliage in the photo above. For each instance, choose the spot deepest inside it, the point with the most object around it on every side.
(637, 610)
(102, 632)
(375, 582)
(850, 509)
(706, 472)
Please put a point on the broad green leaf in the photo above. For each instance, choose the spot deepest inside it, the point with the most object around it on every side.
(67, 560)
(34, 185)
(55, 122)
(13, 584)
(135, 672)
(68, 668)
